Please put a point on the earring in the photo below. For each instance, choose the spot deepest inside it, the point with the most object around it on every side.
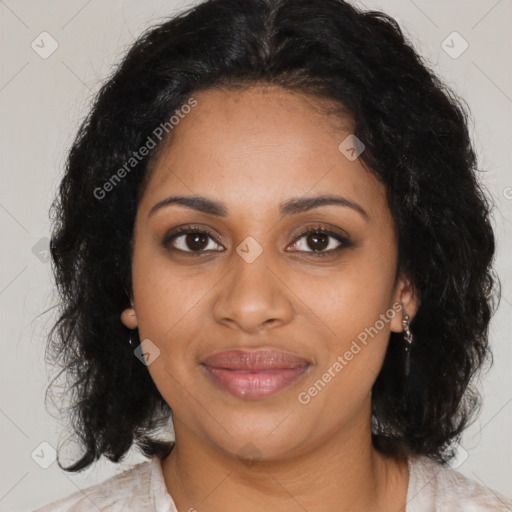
(408, 340)
(131, 341)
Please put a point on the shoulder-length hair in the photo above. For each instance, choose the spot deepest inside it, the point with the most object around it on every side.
(415, 132)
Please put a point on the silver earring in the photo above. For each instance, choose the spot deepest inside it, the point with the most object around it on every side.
(130, 336)
(408, 340)
(130, 341)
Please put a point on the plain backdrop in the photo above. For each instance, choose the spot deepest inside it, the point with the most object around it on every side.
(43, 98)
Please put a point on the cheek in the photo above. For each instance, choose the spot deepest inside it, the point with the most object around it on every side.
(351, 298)
(354, 307)
(164, 292)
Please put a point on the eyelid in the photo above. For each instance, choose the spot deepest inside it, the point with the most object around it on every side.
(324, 228)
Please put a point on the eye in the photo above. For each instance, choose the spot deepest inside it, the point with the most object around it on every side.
(191, 240)
(322, 241)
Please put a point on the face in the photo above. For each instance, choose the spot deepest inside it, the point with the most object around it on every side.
(268, 313)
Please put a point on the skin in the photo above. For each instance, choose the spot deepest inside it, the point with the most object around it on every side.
(253, 150)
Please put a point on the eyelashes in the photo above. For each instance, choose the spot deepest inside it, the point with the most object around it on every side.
(203, 241)
(311, 235)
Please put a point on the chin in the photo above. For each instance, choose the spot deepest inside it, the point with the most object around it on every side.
(254, 435)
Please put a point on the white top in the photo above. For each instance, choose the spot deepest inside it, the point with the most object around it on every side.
(432, 488)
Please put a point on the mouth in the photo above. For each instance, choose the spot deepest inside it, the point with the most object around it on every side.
(254, 374)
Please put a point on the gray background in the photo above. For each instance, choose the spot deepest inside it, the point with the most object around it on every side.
(43, 99)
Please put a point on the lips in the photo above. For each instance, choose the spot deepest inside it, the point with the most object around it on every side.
(253, 374)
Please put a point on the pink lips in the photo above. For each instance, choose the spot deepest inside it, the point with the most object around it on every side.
(254, 374)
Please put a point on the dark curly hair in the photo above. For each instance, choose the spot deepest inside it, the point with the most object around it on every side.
(415, 130)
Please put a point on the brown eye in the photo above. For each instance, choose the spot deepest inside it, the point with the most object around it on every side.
(317, 241)
(195, 241)
(190, 240)
(320, 242)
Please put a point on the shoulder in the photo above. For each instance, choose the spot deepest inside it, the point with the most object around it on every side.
(433, 486)
(134, 489)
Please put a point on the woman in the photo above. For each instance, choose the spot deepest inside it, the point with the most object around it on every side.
(271, 233)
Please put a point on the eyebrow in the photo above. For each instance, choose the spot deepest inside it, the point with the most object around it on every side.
(290, 207)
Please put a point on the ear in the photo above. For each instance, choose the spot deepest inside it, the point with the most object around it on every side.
(129, 318)
(405, 300)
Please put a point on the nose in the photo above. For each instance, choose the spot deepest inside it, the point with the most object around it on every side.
(253, 296)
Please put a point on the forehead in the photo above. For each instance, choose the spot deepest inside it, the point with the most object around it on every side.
(260, 145)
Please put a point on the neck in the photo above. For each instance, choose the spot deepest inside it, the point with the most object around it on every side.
(343, 473)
